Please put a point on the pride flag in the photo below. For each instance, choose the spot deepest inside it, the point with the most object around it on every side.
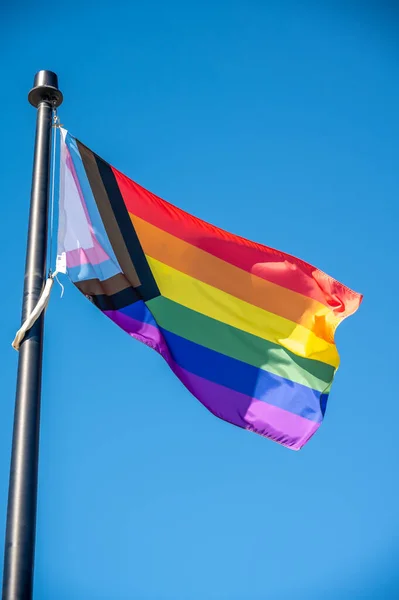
(249, 330)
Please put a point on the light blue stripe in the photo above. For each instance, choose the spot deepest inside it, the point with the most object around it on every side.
(95, 218)
(86, 271)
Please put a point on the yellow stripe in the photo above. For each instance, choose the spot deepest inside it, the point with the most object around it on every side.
(222, 275)
(219, 305)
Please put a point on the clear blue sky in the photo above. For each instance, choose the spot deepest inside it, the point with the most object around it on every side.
(275, 120)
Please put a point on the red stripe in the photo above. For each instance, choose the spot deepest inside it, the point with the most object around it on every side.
(267, 263)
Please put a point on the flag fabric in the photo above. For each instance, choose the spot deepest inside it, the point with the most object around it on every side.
(248, 330)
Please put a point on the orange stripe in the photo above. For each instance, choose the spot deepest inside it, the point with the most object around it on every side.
(272, 265)
(189, 259)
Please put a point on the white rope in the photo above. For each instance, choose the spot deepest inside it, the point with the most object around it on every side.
(45, 295)
(36, 312)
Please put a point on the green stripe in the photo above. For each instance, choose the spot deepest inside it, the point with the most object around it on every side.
(239, 344)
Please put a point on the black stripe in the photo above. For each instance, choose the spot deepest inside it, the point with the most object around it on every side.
(116, 301)
(148, 288)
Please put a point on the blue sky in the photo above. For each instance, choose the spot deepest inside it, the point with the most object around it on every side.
(277, 121)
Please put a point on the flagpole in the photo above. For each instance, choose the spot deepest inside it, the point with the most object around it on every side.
(22, 496)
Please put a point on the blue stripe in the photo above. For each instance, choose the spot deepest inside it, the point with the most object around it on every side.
(235, 374)
(140, 312)
(242, 377)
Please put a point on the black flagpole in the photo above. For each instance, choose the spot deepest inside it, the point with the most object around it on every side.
(22, 496)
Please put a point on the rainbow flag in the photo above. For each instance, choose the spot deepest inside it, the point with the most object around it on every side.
(248, 330)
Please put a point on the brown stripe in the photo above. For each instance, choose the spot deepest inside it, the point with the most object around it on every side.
(107, 215)
(108, 287)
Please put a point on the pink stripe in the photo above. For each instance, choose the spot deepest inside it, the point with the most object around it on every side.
(249, 413)
(81, 256)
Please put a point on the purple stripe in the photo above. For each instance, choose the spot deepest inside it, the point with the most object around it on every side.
(144, 330)
(260, 417)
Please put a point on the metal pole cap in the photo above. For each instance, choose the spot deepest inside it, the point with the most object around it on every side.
(45, 89)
